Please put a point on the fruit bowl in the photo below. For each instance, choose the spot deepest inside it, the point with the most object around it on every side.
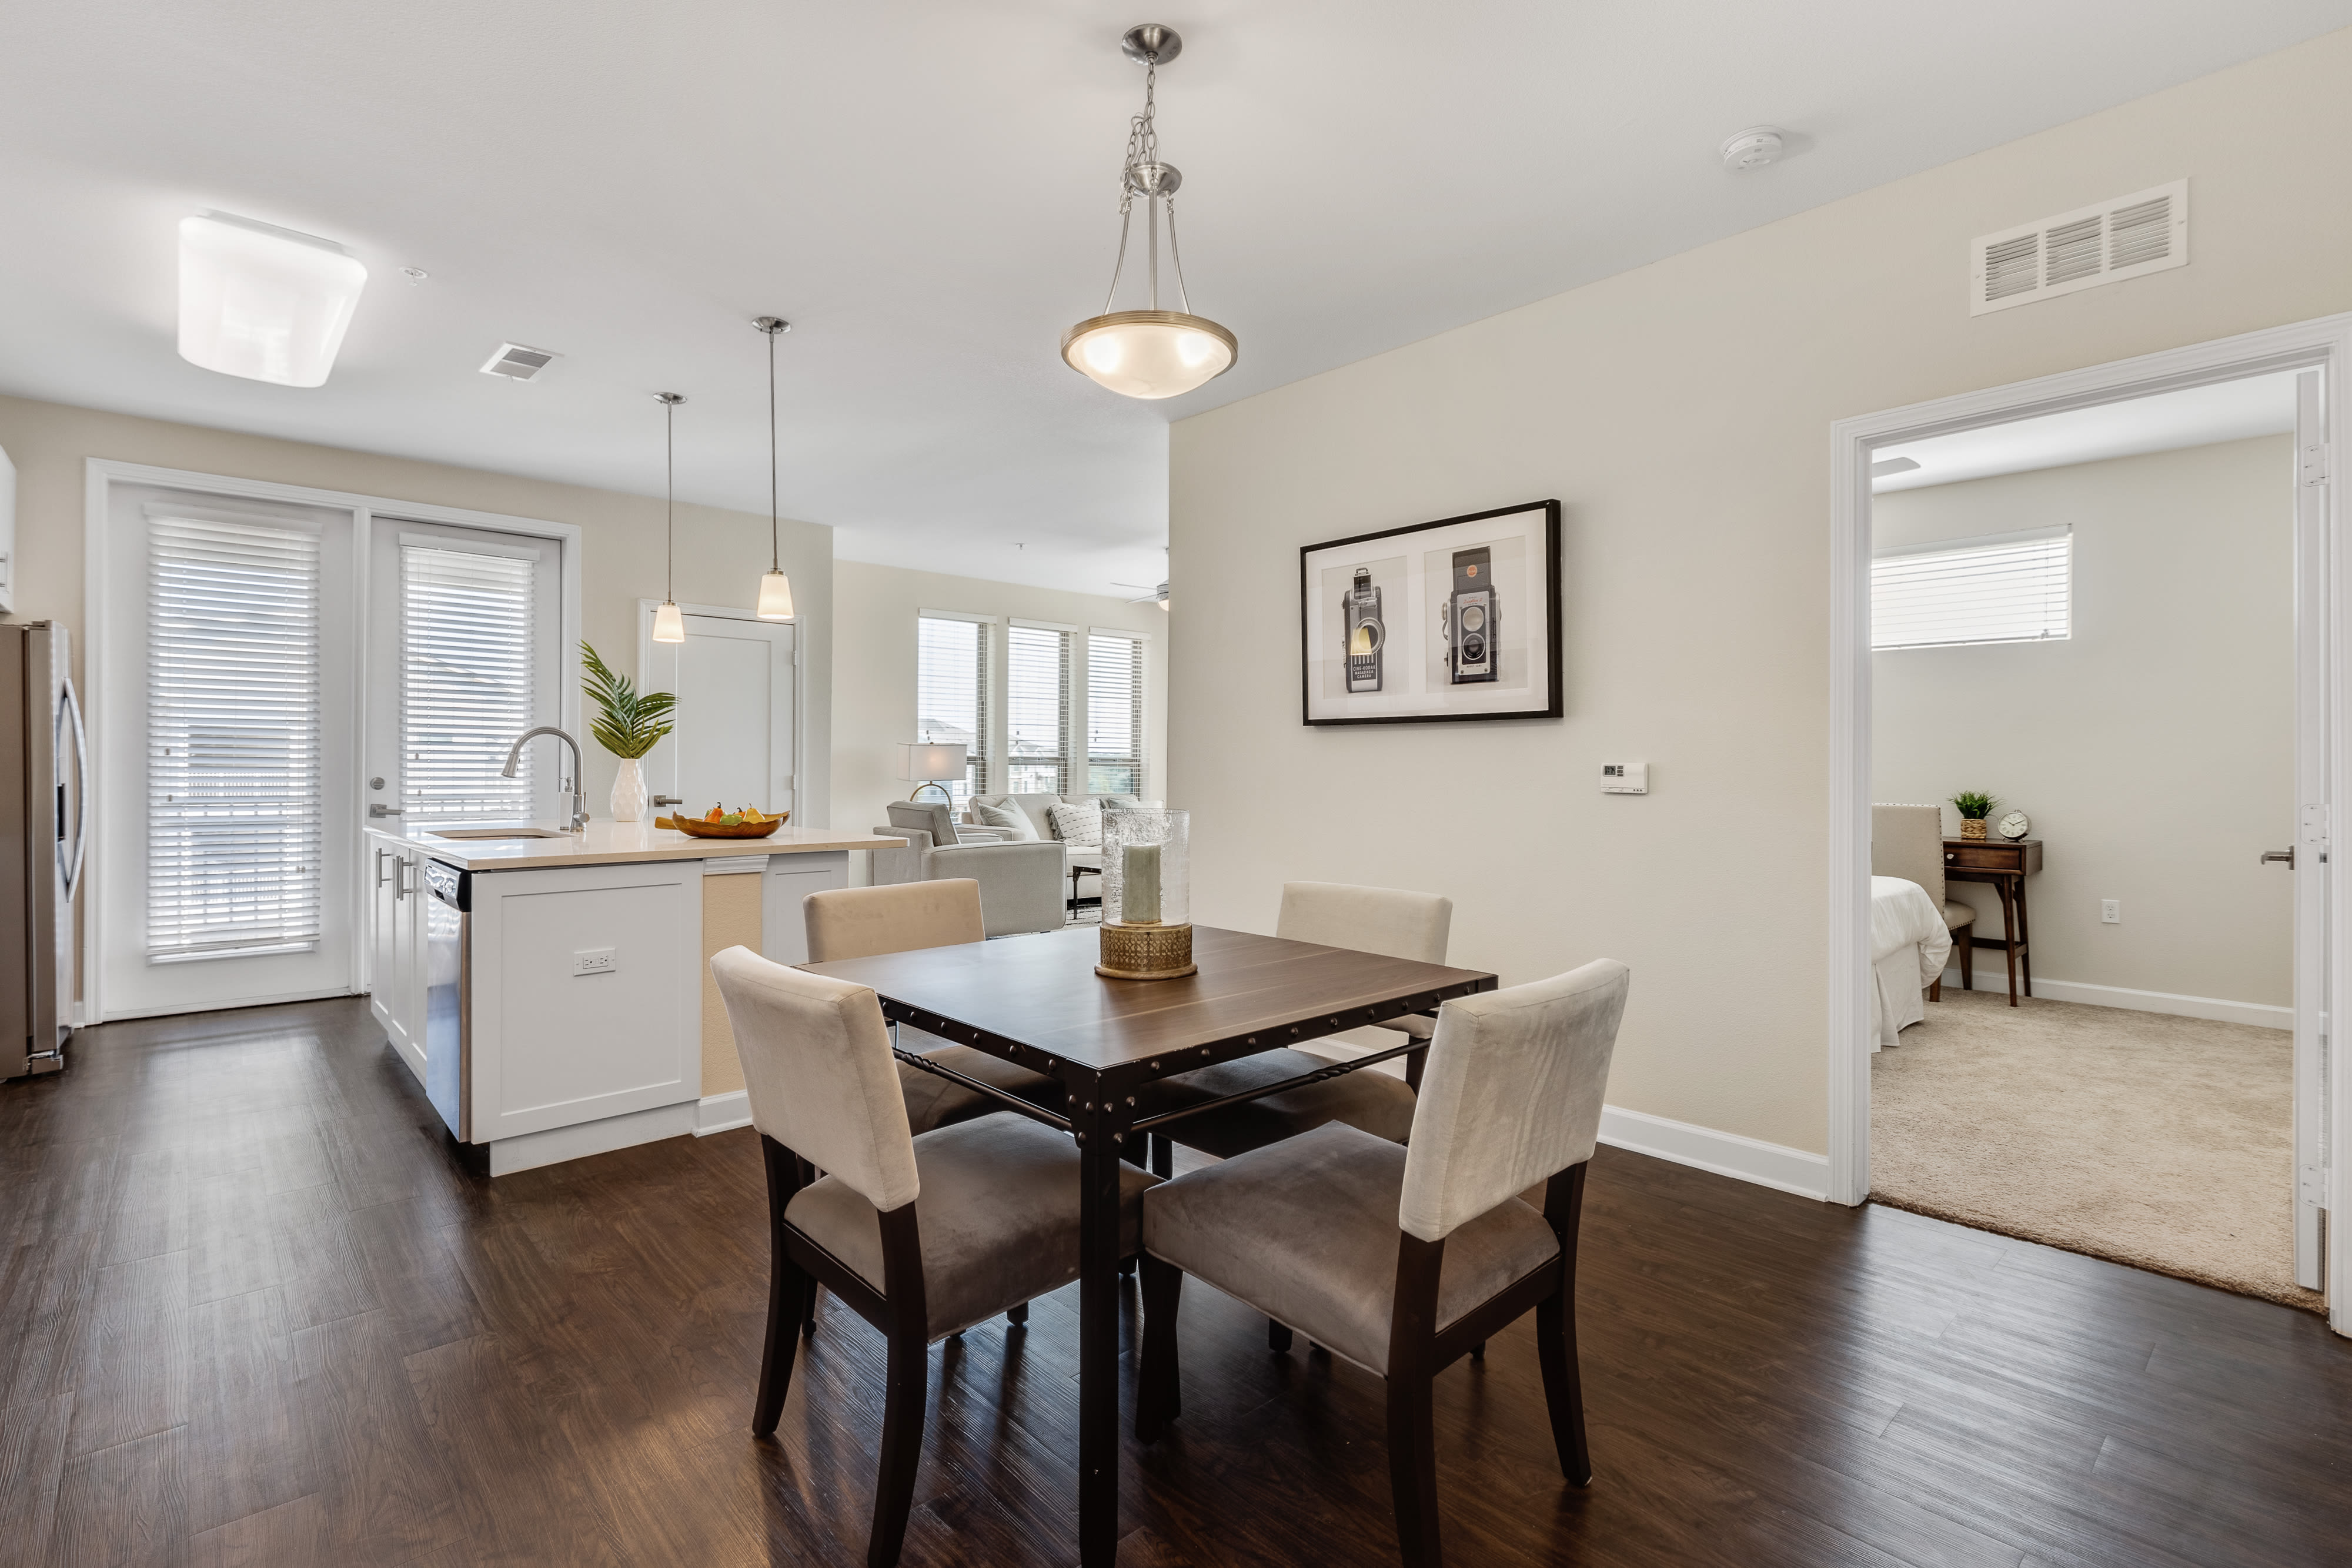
(698, 828)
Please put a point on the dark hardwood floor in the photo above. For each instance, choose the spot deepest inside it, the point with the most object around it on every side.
(254, 1314)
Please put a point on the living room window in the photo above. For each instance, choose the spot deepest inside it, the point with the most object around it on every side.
(1114, 714)
(1037, 709)
(951, 693)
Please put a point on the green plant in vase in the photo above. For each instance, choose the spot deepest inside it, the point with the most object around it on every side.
(1974, 806)
(628, 724)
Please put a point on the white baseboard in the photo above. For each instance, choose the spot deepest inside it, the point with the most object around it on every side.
(529, 1151)
(2261, 1015)
(722, 1114)
(1725, 1154)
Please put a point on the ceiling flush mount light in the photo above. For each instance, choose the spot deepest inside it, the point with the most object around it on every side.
(1753, 148)
(1150, 353)
(262, 302)
(670, 625)
(776, 587)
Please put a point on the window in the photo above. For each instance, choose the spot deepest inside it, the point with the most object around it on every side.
(951, 693)
(2006, 588)
(466, 656)
(1114, 715)
(234, 806)
(1037, 710)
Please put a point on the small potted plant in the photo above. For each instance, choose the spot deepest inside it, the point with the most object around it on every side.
(1974, 806)
(628, 724)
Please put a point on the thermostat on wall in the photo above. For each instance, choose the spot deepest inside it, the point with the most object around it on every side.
(1625, 778)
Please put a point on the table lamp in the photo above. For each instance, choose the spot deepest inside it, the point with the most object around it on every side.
(930, 761)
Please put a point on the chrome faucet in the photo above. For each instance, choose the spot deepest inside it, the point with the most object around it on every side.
(579, 787)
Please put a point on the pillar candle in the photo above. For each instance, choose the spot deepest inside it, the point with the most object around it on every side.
(1138, 897)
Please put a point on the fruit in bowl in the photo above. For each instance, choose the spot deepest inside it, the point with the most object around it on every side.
(718, 822)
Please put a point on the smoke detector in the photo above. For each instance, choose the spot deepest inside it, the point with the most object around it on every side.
(1753, 148)
(518, 363)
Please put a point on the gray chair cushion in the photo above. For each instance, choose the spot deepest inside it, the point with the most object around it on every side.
(1958, 914)
(998, 1210)
(1369, 1101)
(1009, 817)
(1306, 1232)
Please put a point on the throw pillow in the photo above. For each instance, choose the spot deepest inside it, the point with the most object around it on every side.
(1080, 825)
(1012, 818)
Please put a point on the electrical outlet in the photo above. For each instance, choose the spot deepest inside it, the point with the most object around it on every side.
(594, 961)
(2111, 911)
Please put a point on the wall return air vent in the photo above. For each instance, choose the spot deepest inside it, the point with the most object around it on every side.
(518, 363)
(2147, 231)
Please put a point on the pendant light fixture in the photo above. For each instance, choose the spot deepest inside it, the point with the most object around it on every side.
(776, 587)
(670, 625)
(1151, 353)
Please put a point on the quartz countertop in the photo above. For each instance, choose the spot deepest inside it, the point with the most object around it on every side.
(606, 844)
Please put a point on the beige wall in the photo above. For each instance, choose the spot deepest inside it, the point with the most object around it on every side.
(720, 554)
(2153, 749)
(1681, 414)
(874, 706)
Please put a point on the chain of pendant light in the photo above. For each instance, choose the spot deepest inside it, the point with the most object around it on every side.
(1143, 147)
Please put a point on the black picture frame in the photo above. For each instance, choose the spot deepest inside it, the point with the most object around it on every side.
(1545, 658)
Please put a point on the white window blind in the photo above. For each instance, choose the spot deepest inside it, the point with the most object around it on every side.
(1037, 710)
(951, 693)
(466, 678)
(1114, 715)
(2007, 588)
(235, 795)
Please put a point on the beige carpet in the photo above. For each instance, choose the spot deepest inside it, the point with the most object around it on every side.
(2165, 1143)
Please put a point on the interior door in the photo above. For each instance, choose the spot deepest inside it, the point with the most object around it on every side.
(2310, 865)
(732, 743)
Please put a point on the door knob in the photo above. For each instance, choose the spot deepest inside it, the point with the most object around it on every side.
(2285, 857)
(378, 809)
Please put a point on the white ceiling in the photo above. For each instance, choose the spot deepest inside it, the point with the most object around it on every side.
(929, 193)
(2195, 416)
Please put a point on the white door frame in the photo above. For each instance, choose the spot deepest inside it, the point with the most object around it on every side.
(101, 475)
(645, 609)
(2325, 344)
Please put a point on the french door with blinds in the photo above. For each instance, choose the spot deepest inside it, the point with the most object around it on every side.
(266, 662)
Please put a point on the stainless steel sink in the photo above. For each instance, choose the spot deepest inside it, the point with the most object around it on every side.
(497, 833)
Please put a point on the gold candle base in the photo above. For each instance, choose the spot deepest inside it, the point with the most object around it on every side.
(1146, 952)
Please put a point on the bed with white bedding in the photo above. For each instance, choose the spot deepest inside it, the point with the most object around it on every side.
(1908, 946)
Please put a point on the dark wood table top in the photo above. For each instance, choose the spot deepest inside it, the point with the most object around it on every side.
(1038, 1001)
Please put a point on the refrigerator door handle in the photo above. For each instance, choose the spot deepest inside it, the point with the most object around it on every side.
(81, 787)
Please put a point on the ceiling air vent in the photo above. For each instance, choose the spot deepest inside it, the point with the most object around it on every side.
(518, 363)
(2114, 240)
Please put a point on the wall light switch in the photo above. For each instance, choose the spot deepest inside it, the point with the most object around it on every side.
(594, 961)
(2111, 911)
(1625, 778)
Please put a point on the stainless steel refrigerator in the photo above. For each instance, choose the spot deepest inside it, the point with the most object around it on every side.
(44, 831)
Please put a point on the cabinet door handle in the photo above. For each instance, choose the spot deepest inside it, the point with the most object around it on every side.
(378, 868)
(399, 878)
(2285, 857)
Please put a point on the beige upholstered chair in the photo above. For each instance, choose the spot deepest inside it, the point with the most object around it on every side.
(1370, 920)
(1908, 841)
(922, 1236)
(1404, 1259)
(860, 922)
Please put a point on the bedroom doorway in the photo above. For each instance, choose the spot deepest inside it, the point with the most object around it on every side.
(2100, 594)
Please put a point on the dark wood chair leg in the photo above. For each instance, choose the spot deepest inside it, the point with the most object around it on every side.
(1164, 1155)
(906, 1385)
(1556, 1332)
(1413, 1422)
(1158, 1397)
(1415, 1060)
(1278, 1337)
(788, 1293)
(1017, 1316)
(1479, 1350)
(1967, 957)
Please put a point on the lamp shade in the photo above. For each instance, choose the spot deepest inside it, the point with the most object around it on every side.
(669, 623)
(1150, 354)
(926, 761)
(775, 597)
(263, 302)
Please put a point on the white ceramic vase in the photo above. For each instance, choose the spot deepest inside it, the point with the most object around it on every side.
(629, 792)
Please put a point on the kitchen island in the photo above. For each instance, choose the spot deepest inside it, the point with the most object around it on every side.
(551, 989)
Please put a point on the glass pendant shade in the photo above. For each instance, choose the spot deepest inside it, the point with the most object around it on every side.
(263, 302)
(775, 597)
(1150, 354)
(669, 623)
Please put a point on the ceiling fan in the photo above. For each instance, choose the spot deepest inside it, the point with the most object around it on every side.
(1157, 596)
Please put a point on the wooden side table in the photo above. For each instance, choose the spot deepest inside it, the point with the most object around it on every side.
(2005, 863)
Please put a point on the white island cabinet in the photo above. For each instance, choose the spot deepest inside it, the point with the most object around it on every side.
(550, 991)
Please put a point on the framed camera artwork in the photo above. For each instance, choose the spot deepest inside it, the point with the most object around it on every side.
(1458, 618)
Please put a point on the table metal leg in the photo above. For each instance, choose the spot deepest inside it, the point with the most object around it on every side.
(1098, 1301)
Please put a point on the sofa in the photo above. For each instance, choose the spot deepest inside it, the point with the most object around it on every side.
(1027, 818)
(1020, 881)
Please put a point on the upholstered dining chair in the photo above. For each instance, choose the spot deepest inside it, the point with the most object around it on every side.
(922, 1236)
(1403, 1260)
(1390, 920)
(1908, 841)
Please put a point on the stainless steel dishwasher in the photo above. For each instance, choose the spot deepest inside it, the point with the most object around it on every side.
(450, 996)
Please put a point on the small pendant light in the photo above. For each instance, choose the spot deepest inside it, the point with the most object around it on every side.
(776, 587)
(670, 625)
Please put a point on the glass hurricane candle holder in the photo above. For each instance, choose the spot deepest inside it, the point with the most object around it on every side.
(1146, 930)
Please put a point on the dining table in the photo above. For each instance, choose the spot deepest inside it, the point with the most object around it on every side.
(1036, 1001)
